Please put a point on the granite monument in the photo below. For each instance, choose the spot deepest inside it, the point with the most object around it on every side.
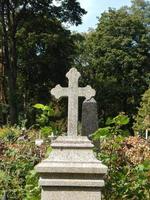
(71, 171)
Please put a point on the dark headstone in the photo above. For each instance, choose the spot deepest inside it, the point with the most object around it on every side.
(89, 117)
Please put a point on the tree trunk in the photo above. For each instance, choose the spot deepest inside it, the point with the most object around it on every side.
(9, 31)
(12, 99)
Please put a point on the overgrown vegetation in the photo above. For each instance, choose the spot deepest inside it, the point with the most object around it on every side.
(142, 119)
(127, 158)
(128, 161)
(18, 156)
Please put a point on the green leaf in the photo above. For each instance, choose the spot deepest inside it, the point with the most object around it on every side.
(102, 132)
(2, 175)
(109, 121)
(46, 131)
(39, 106)
(49, 109)
(140, 167)
(49, 149)
(121, 120)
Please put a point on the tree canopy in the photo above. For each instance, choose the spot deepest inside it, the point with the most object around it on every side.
(115, 58)
(37, 47)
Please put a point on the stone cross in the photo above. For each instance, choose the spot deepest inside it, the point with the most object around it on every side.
(73, 92)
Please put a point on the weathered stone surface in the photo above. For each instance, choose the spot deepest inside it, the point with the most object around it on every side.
(70, 193)
(72, 155)
(71, 171)
(89, 117)
(73, 92)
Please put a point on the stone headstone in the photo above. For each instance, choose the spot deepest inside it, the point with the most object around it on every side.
(89, 119)
(71, 171)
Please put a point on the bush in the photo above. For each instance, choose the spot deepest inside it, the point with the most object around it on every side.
(19, 155)
(142, 119)
(9, 134)
(44, 113)
(128, 161)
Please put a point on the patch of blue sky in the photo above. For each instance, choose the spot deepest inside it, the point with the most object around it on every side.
(94, 9)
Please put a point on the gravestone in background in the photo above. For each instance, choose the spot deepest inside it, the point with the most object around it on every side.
(89, 119)
(72, 172)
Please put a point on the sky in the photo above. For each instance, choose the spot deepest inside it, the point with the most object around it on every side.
(94, 9)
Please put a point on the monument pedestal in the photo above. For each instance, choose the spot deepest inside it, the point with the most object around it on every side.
(71, 172)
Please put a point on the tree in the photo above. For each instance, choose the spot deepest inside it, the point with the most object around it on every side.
(116, 60)
(44, 58)
(15, 17)
(142, 119)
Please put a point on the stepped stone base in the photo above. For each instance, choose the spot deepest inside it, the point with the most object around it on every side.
(71, 172)
(57, 193)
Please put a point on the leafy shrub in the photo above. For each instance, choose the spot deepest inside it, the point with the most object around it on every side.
(32, 188)
(142, 119)
(9, 133)
(18, 158)
(136, 150)
(44, 113)
(127, 159)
